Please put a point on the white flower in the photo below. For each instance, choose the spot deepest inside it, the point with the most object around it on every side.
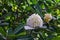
(34, 21)
(47, 17)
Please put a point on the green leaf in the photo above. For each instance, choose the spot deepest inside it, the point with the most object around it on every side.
(56, 38)
(2, 31)
(10, 31)
(34, 1)
(27, 37)
(29, 8)
(29, 2)
(19, 29)
(41, 36)
(38, 10)
(57, 1)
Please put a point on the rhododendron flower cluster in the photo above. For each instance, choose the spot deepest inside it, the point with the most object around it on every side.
(35, 21)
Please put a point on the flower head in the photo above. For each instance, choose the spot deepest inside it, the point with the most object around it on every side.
(34, 21)
(47, 17)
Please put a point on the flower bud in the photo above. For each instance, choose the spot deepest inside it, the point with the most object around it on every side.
(47, 17)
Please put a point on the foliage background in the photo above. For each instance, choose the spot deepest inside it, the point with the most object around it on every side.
(13, 15)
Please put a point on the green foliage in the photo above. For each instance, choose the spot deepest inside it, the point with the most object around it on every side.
(13, 15)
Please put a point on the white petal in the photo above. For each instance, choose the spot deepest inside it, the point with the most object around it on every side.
(28, 28)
